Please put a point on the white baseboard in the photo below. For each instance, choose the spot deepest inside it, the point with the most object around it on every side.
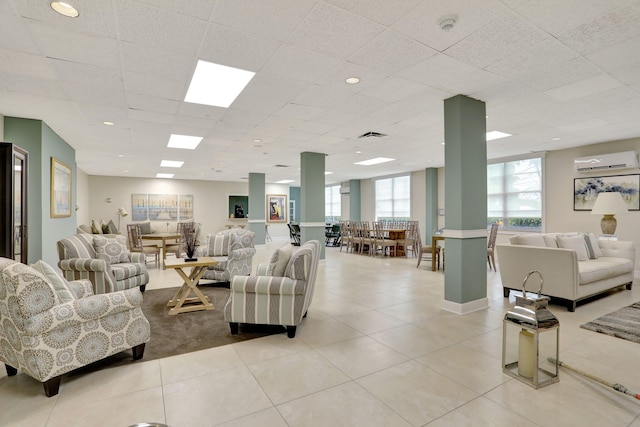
(467, 307)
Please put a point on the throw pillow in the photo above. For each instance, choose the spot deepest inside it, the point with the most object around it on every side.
(280, 260)
(111, 228)
(85, 228)
(60, 284)
(531, 240)
(145, 228)
(575, 243)
(111, 249)
(96, 228)
(593, 248)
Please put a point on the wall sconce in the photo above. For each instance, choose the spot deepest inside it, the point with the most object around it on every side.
(530, 339)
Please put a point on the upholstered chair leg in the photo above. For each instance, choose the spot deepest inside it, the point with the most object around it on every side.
(629, 285)
(233, 326)
(11, 371)
(143, 287)
(505, 292)
(51, 386)
(291, 331)
(138, 351)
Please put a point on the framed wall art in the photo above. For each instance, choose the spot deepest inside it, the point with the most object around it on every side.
(586, 190)
(277, 208)
(60, 189)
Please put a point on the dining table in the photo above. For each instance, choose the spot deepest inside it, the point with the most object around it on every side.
(164, 237)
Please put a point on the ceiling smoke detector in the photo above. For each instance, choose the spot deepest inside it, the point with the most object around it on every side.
(447, 22)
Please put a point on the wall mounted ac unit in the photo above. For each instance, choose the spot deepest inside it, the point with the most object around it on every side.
(345, 190)
(624, 160)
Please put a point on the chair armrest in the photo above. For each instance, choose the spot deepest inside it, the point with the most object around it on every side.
(202, 251)
(82, 310)
(264, 269)
(83, 264)
(136, 257)
(81, 288)
(241, 254)
(267, 285)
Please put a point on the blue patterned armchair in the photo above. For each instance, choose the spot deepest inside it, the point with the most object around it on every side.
(234, 251)
(279, 294)
(105, 261)
(49, 326)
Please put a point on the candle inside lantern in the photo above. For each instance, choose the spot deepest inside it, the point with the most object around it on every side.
(525, 354)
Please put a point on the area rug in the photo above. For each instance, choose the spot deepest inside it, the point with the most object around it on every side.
(185, 332)
(623, 323)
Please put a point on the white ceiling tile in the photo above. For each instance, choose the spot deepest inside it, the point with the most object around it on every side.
(157, 63)
(504, 37)
(144, 84)
(153, 104)
(180, 33)
(332, 31)
(321, 96)
(26, 64)
(149, 116)
(298, 64)
(382, 11)
(297, 111)
(615, 57)
(391, 52)
(585, 87)
(562, 74)
(87, 74)
(91, 94)
(33, 86)
(258, 104)
(14, 34)
(196, 8)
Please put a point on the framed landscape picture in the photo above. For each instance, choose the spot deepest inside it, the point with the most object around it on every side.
(586, 190)
(277, 208)
(60, 189)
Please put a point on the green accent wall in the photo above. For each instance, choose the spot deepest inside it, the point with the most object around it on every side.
(294, 195)
(257, 207)
(43, 143)
(312, 197)
(431, 187)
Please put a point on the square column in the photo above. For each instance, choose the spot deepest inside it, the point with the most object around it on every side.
(312, 198)
(465, 281)
(257, 207)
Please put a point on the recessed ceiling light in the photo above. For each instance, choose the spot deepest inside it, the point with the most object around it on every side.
(328, 173)
(374, 161)
(257, 140)
(442, 143)
(164, 175)
(64, 9)
(496, 134)
(171, 164)
(108, 123)
(120, 155)
(216, 85)
(358, 152)
(285, 181)
(126, 171)
(352, 80)
(184, 141)
(555, 139)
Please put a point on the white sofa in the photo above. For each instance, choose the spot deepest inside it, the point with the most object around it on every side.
(573, 267)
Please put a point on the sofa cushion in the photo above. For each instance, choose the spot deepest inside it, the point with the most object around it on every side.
(219, 244)
(550, 240)
(575, 243)
(603, 268)
(85, 228)
(59, 283)
(96, 228)
(528, 239)
(111, 249)
(109, 228)
(279, 260)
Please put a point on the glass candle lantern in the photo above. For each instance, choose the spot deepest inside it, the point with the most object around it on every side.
(530, 339)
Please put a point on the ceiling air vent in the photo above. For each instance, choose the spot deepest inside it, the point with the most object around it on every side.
(373, 135)
(281, 166)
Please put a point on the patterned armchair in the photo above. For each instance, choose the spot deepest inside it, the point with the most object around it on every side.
(105, 261)
(279, 294)
(49, 327)
(234, 251)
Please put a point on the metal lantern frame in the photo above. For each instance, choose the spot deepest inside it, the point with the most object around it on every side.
(531, 316)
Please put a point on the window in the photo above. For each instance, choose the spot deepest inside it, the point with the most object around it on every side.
(514, 194)
(393, 198)
(332, 207)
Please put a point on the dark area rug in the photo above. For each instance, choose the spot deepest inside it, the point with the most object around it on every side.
(185, 332)
(623, 323)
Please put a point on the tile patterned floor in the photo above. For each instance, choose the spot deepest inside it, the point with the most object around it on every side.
(375, 350)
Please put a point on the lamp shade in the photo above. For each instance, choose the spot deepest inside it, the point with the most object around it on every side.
(609, 203)
(122, 212)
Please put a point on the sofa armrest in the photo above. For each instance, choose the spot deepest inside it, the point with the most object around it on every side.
(618, 249)
(81, 288)
(91, 308)
(83, 264)
(267, 285)
(243, 253)
(558, 267)
(264, 269)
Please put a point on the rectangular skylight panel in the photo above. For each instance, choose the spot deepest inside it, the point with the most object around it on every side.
(171, 164)
(496, 134)
(216, 85)
(285, 181)
(374, 161)
(164, 175)
(184, 141)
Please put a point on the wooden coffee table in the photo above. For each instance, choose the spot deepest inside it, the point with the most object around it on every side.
(181, 302)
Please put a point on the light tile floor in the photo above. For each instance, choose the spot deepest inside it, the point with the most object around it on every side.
(375, 350)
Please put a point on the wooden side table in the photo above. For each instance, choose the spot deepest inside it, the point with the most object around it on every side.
(200, 301)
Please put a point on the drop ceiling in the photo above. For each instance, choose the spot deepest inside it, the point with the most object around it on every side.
(554, 74)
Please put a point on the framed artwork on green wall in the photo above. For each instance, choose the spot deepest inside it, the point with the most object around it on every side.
(60, 189)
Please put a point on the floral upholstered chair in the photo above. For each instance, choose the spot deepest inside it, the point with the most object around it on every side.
(234, 251)
(49, 326)
(279, 294)
(105, 261)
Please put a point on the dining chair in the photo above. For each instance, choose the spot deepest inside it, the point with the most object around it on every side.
(378, 240)
(425, 252)
(491, 246)
(134, 239)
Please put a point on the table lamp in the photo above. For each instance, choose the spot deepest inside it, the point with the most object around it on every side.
(121, 212)
(609, 204)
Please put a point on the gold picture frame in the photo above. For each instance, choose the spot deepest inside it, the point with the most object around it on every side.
(277, 207)
(61, 182)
